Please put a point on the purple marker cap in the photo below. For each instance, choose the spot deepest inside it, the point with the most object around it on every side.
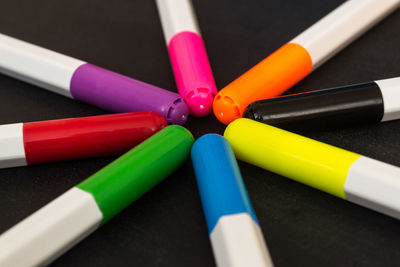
(118, 93)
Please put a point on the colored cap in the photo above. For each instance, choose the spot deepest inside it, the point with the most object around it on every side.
(226, 109)
(94, 136)
(192, 72)
(249, 112)
(200, 102)
(220, 183)
(342, 106)
(299, 158)
(126, 179)
(269, 78)
(118, 93)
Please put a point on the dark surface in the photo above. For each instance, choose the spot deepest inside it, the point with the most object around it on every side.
(324, 109)
(166, 227)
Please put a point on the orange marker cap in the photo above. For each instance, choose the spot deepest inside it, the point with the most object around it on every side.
(269, 78)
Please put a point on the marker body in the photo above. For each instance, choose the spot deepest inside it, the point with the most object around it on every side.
(79, 80)
(234, 232)
(188, 55)
(52, 230)
(75, 138)
(370, 102)
(296, 59)
(12, 152)
(367, 182)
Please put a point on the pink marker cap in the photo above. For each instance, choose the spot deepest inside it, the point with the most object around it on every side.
(192, 72)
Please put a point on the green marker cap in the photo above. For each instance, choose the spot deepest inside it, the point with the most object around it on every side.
(130, 176)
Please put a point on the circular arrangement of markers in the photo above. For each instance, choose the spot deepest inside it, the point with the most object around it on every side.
(145, 129)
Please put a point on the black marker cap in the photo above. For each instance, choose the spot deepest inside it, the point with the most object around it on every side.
(342, 106)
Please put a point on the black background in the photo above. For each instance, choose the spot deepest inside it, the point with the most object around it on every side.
(166, 227)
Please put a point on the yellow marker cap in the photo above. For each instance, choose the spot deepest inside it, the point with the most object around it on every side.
(302, 159)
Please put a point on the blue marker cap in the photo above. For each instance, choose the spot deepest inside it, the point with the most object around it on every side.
(220, 183)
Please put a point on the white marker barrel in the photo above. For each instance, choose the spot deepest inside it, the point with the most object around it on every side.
(177, 16)
(374, 184)
(342, 26)
(12, 152)
(390, 89)
(36, 65)
(50, 231)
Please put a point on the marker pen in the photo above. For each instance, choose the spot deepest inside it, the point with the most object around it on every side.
(188, 56)
(77, 79)
(66, 139)
(296, 59)
(361, 180)
(52, 230)
(348, 105)
(235, 235)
